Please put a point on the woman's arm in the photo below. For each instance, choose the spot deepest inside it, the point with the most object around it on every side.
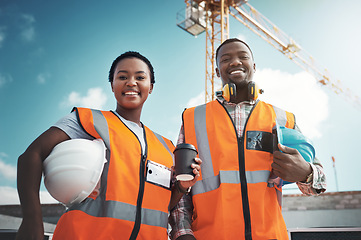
(29, 173)
(180, 188)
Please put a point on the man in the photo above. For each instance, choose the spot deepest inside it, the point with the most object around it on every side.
(233, 198)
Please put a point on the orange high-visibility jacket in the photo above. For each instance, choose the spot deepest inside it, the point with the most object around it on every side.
(232, 199)
(128, 207)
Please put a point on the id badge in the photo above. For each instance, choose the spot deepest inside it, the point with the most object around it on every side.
(158, 174)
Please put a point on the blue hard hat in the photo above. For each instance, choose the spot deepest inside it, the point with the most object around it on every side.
(295, 139)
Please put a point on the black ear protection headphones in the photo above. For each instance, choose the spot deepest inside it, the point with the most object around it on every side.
(228, 92)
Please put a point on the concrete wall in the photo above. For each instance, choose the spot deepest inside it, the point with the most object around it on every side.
(10, 217)
(323, 218)
(9, 222)
(338, 209)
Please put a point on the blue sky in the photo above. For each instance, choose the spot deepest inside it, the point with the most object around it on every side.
(56, 54)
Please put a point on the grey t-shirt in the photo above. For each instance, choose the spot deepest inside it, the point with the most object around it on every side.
(70, 125)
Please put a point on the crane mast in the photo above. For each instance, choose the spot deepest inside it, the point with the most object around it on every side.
(213, 17)
(217, 31)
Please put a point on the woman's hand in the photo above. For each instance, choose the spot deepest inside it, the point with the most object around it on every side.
(196, 170)
(31, 229)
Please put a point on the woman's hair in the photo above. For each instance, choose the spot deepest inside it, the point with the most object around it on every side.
(131, 54)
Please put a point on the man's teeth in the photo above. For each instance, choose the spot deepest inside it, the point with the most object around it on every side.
(236, 71)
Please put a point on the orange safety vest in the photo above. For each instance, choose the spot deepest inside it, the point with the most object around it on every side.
(232, 199)
(128, 207)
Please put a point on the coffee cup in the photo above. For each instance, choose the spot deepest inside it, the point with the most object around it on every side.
(184, 155)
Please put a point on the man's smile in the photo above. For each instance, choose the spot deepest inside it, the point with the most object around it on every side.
(237, 71)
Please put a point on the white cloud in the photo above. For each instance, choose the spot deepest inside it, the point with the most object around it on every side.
(28, 29)
(45, 197)
(2, 35)
(298, 93)
(7, 170)
(42, 77)
(242, 37)
(9, 196)
(2, 80)
(5, 79)
(25, 26)
(196, 100)
(200, 98)
(95, 98)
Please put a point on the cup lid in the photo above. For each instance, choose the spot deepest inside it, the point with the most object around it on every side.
(185, 145)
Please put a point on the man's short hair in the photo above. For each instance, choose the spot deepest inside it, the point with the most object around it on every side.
(230, 40)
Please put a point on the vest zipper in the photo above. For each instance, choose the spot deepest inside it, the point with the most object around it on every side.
(242, 171)
(244, 189)
(242, 176)
(138, 215)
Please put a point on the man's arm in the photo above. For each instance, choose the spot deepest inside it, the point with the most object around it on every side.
(290, 166)
(317, 183)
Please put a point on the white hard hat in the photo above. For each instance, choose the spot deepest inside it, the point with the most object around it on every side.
(73, 169)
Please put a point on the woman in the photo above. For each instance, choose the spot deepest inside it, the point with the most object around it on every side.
(128, 206)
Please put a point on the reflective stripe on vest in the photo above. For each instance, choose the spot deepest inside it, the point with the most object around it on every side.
(202, 141)
(281, 119)
(101, 126)
(123, 211)
(210, 182)
(117, 206)
(115, 209)
(281, 116)
(235, 172)
(160, 138)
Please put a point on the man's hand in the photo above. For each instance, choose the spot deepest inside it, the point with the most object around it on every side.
(290, 165)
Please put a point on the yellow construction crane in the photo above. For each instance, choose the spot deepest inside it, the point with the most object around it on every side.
(212, 17)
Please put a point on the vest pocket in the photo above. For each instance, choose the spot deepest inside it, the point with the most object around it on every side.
(260, 141)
